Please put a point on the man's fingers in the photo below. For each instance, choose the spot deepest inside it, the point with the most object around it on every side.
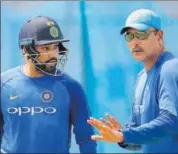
(96, 123)
(97, 137)
(113, 121)
(106, 122)
(91, 123)
(110, 118)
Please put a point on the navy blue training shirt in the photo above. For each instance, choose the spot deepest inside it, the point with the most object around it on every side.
(38, 113)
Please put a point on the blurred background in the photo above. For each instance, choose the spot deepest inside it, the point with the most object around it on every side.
(99, 57)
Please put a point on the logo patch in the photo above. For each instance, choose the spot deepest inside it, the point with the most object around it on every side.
(54, 31)
(14, 97)
(31, 110)
(47, 96)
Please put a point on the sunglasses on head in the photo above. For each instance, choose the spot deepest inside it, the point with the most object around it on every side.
(141, 35)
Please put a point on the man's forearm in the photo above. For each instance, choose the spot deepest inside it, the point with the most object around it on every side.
(166, 123)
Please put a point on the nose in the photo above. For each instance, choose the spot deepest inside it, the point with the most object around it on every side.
(134, 42)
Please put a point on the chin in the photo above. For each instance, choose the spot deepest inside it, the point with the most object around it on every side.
(51, 68)
(139, 58)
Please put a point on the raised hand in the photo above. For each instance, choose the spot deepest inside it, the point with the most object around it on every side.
(107, 132)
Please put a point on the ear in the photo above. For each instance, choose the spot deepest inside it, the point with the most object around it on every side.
(160, 35)
(160, 39)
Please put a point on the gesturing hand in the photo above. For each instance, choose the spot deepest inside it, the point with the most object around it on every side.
(108, 130)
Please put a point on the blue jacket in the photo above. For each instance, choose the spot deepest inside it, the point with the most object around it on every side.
(154, 120)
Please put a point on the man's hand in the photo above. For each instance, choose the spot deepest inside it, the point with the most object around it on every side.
(108, 131)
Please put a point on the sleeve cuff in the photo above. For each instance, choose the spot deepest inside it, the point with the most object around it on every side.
(122, 144)
(126, 135)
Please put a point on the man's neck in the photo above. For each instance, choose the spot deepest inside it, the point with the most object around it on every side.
(148, 64)
(31, 71)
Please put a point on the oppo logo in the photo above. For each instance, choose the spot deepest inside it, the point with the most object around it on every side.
(31, 110)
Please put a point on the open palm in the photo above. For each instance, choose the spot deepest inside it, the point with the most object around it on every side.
(108, 131)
